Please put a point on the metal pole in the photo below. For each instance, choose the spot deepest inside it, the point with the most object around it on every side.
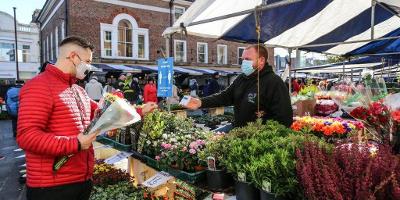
(383, 66)
(373, 3)
(16, 43)
(290, 70)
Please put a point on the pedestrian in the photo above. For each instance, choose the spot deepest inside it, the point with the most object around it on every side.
(137, 91)
(213, 85)
(271, 97)
(194, 87)
(53, 114)
(321, 86)
(108, 88)
(12, 103)
(94, 89)
(119, 84)
(175, 97)
(150, 91)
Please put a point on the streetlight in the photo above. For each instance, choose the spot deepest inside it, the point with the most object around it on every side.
(16, 43)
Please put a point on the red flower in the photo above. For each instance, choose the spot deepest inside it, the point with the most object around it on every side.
(396, 116)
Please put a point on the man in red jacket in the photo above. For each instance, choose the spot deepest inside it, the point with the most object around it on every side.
(53, 113)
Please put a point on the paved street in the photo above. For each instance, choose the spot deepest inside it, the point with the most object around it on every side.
(10, 189)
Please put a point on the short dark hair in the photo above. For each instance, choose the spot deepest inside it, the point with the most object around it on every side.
(262, 51)
(80, 41)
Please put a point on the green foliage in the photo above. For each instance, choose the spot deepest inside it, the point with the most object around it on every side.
(266, 152)
(308, 91)
(123, 190)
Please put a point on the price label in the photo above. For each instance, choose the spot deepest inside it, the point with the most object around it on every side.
(211, 163)
(159, 179)
(117, 157)
(266, 186)
(242, 176)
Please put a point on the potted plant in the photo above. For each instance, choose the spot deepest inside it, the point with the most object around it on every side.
(217, 176)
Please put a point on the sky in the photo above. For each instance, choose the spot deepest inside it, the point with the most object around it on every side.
(24, 10)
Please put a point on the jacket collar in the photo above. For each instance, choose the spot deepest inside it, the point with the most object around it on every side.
(64, 77)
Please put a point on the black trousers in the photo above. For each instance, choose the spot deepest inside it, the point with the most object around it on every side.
(75, 191)
(14, 120)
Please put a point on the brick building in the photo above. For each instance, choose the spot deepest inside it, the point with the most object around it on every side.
(129, 32)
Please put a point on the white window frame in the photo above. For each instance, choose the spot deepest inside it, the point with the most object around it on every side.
(205, 52)
(62, 30)
(225, 62)
(237, 53)
(43, 46)
(180, 7)
(47, 49)
(184, 50)
(113, 28)
(56, 41)
(51, 46)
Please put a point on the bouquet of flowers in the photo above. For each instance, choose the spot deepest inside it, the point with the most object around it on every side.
(113, 112)
(326, 127)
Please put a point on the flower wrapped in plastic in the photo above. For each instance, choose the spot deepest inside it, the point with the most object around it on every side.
(113, 112)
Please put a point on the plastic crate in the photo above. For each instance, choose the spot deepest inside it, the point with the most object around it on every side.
(194, 177)
(114, 144)
(152, 163)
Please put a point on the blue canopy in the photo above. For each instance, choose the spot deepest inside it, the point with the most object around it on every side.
(328, 26)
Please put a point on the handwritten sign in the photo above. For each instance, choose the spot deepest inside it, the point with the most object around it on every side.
(117, 157)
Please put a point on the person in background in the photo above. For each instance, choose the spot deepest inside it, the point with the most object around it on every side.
(119, 85)
(129, 93)
(137, 91)
(150, 91)
(321, 86)
(296, 86)
(213, 85)
(301, 83)
(194, 87)
(329, 86)
(12, 103)
(108, 88)
(94, 89)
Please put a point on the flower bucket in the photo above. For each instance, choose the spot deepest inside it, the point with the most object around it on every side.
(246, 191)
(218, 180)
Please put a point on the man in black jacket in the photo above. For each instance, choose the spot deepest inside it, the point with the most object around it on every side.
(243, 92)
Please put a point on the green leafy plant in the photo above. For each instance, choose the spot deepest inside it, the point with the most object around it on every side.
(266, 153)
(122, 190)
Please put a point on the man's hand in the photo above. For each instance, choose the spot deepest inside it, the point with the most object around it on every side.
(86, 140)
(148, 107)
(193, 104)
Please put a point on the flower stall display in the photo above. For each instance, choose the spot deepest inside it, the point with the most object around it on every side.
(172, 141)
(325, 107)
(348, 172)
(326, 127)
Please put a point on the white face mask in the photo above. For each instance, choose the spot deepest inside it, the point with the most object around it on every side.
(82, 69)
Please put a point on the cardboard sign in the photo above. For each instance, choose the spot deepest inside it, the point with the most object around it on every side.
(117, 157)
(159, 179)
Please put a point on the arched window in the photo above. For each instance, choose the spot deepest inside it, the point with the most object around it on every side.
(124, 39)
(125, 45)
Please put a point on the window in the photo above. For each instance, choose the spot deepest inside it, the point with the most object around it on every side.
(123, 39)
(239, 54)
(222, 54)
(62, 30)
(125, 46)
(178, 12)
(180, 50)
(141, 46)
(7, 52)
(202, 52)
(25, 53)
(107, 43)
